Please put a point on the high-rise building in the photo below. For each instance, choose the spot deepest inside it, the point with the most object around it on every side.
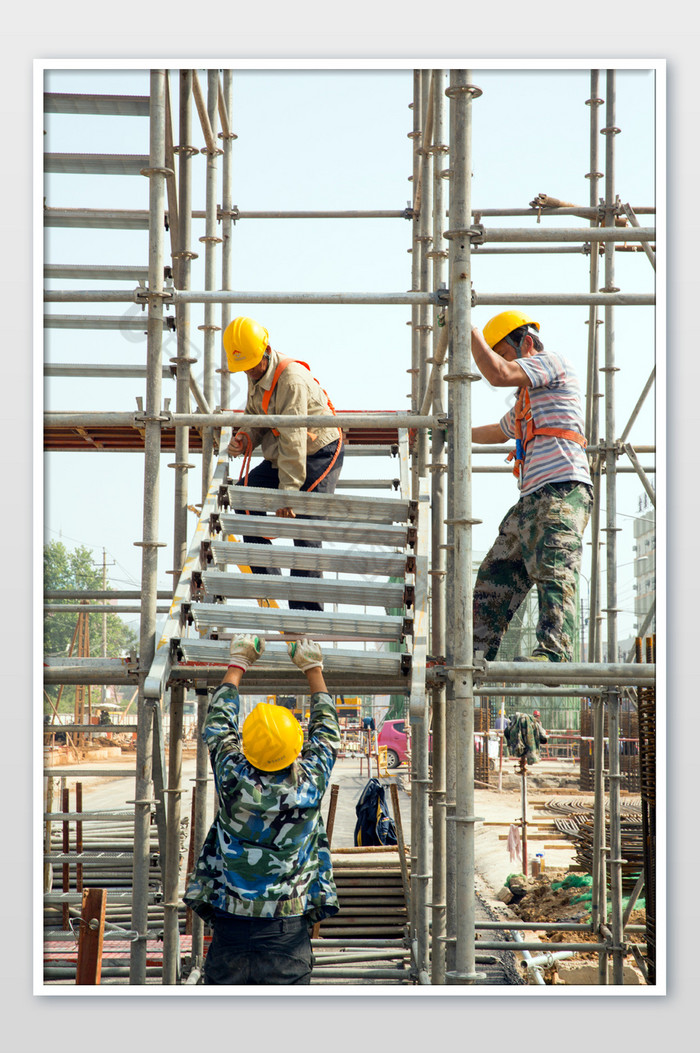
(644, 562)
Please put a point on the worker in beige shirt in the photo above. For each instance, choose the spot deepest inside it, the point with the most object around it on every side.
(294, 458)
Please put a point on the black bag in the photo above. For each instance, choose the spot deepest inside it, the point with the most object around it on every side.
(374, 824)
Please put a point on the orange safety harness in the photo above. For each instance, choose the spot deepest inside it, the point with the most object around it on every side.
(281, 366)
(523, 413)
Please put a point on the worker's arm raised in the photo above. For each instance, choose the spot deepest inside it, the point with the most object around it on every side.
(499, 371)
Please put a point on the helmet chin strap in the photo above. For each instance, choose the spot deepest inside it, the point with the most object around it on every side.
(518, 347)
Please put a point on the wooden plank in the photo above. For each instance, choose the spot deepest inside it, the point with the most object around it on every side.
(92, 928)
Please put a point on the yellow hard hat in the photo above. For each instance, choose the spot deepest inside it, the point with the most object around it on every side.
(504, 323)
(272, 737)
(245, 342)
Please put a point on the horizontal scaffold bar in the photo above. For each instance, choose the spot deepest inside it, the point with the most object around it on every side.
(96, 164)
(175, 297)
(322, 625)
(70, 419)
(221, 296)
(105, 105)
(89, 671)
(138, 218)
(111, 272)
(79, 369)
(604, 299)
(94, 321)
(549, 234)
(555, 673)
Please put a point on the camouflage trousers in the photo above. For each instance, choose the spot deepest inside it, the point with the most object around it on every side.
(539, 543)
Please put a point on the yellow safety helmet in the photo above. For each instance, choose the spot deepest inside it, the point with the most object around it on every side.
(504, 323)
(245, 342)
(272, 737)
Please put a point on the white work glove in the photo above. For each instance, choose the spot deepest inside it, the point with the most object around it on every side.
(306, 654)
(245, 650)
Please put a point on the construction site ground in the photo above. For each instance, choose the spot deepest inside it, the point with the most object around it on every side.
(497, 808)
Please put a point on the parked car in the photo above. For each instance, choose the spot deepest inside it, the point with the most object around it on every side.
(392, 734)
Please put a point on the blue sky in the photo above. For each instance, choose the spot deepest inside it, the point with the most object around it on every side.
(313, 139)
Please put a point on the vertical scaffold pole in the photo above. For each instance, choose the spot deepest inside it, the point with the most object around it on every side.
(615, 862)
(200, 817)
(425, 238)
(211, 240)
(171, 889)
(610, 132)
(414, 371)
(227, 137)
(149, 558)
(450, 727)
(183, 361)
(461, 93)
(437, 572)
(419, 715)
(182, 270)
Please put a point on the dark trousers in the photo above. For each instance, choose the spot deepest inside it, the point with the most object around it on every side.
(266, 476)
(257, 951)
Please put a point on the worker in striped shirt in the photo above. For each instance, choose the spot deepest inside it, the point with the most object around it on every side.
(540, 539)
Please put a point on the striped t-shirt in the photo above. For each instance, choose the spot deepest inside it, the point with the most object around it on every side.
(555, 398)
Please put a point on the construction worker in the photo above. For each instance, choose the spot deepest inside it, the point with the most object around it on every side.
(538, 724)
(264, 875)
(294, 458)
(540, 539)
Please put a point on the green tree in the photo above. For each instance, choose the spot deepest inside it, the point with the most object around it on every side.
(76, 570)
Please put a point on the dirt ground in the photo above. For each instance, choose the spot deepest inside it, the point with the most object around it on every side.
(552, 792)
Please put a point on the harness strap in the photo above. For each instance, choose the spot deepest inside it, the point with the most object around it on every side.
(523, 412)
(267, 395)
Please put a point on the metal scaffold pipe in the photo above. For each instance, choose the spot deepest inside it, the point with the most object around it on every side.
(227, 296)
(149, 559)
(211, 240)
(461, 93)
(434, 396)
(237, 420)
(419, 716)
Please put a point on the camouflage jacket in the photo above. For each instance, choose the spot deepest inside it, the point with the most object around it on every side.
(266, 854)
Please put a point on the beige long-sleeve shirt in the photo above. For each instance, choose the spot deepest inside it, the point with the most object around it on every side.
(296, 392)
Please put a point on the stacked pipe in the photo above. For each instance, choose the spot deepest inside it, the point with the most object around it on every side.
(366, 940)
(106, 861)
(632, 849)
(371, 895)
(647, 761)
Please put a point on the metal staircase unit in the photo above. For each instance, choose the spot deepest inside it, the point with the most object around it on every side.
(218, 596)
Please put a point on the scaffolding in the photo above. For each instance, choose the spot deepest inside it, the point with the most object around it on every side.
(436, 482)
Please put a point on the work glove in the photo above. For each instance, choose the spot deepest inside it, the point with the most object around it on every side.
(306, 654)
(245, 650)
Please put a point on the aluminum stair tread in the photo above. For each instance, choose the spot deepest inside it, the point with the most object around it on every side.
(338, 530)
(331, 506)
(320, 625)
(349, 561)
(275, 657)
(275, 586)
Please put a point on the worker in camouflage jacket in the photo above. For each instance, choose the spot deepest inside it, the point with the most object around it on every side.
(264, 874)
